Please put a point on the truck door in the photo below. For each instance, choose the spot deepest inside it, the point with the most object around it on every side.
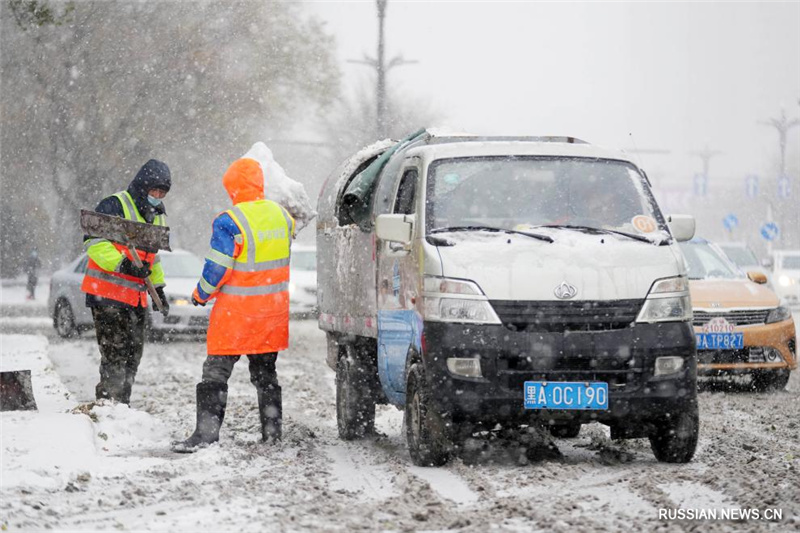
(398, 279)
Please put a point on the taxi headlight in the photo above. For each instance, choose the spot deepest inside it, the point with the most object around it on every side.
(667, 301)
(779, 314)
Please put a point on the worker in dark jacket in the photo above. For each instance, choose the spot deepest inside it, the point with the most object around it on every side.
(115, 287)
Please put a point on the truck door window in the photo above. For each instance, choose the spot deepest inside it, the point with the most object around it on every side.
(404, 204)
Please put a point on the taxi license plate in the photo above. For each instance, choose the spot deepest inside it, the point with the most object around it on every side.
(566, 395)
(720, 341)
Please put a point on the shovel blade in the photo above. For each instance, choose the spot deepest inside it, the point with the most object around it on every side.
(147, 237)
(16, 391)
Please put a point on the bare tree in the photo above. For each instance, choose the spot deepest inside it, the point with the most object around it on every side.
(88, 97)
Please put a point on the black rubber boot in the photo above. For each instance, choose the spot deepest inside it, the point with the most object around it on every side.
(212, 398)
(270, 412)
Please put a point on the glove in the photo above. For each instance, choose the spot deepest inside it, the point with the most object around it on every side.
(128, 268)
(196, 300)
(164, 301)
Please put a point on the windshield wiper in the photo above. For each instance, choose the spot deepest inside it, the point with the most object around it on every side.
(591, 229)
(544, 238)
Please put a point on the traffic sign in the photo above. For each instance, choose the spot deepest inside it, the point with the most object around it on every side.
(751, 185)
(700, 184)
(784, 187)
(730, 222)
(770, 231)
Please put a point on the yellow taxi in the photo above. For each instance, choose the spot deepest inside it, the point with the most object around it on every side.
(740, 326)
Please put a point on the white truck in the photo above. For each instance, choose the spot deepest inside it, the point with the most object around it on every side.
(507, 280)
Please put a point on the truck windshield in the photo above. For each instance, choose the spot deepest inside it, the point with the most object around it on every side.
(705, 261)
(523, 193)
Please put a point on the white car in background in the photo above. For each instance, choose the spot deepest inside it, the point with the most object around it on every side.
(182, 269)
(303, 281)
(743, 257)
(786, 276)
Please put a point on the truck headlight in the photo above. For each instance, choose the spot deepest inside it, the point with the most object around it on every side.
(668, 365)
(667, 301)
(779, 314)
(785, 281)
(459, 310)
(456, 300)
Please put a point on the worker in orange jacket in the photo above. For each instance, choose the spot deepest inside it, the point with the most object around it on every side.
(247, 272)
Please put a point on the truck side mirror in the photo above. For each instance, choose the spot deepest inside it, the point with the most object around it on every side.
(394, 228)
(681, 226)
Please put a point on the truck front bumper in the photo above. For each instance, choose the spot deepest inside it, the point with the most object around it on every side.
(623, 358)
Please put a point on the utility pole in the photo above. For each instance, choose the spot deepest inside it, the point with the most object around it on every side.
(782, 125)
(381, 69)
(705, 156)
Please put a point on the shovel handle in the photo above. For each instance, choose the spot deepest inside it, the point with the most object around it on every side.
(150, 288)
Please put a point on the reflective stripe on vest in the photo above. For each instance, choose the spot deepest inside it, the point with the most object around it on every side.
(102, 275)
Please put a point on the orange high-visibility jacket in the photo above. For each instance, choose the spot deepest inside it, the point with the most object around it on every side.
(251, 313)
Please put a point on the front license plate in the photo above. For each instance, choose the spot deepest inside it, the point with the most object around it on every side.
(566, 395)
(720, 341)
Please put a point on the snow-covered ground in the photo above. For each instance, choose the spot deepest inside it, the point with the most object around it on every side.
(111, 467)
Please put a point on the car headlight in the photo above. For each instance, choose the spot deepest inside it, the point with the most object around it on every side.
(667, 301)
(785, 281)
(779, 314)
(452, 300)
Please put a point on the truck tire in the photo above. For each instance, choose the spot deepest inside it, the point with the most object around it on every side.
(565, 431)
(355, 403)
(426, 433)
(675, 438)
(770, 380)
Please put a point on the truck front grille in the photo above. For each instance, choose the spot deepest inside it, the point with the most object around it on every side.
(556, 316)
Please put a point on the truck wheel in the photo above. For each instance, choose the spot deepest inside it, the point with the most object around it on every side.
(355, 404)
(675, 438)
(770, 380)
(565, 431)
(425, 430)
(64, 320)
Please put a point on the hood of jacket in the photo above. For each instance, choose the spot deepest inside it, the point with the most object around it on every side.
(244, 181)
(153, 175)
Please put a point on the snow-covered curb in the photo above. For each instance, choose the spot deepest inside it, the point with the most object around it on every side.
(63, 444)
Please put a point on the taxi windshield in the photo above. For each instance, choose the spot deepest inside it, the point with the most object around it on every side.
(523, 193)
(705, 261)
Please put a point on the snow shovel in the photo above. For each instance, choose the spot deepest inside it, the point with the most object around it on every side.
(132, 234)
(16, 391)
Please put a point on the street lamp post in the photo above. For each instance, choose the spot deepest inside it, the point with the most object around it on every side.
(381, 69)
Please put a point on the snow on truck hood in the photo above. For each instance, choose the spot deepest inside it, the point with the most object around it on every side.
(600, 267)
